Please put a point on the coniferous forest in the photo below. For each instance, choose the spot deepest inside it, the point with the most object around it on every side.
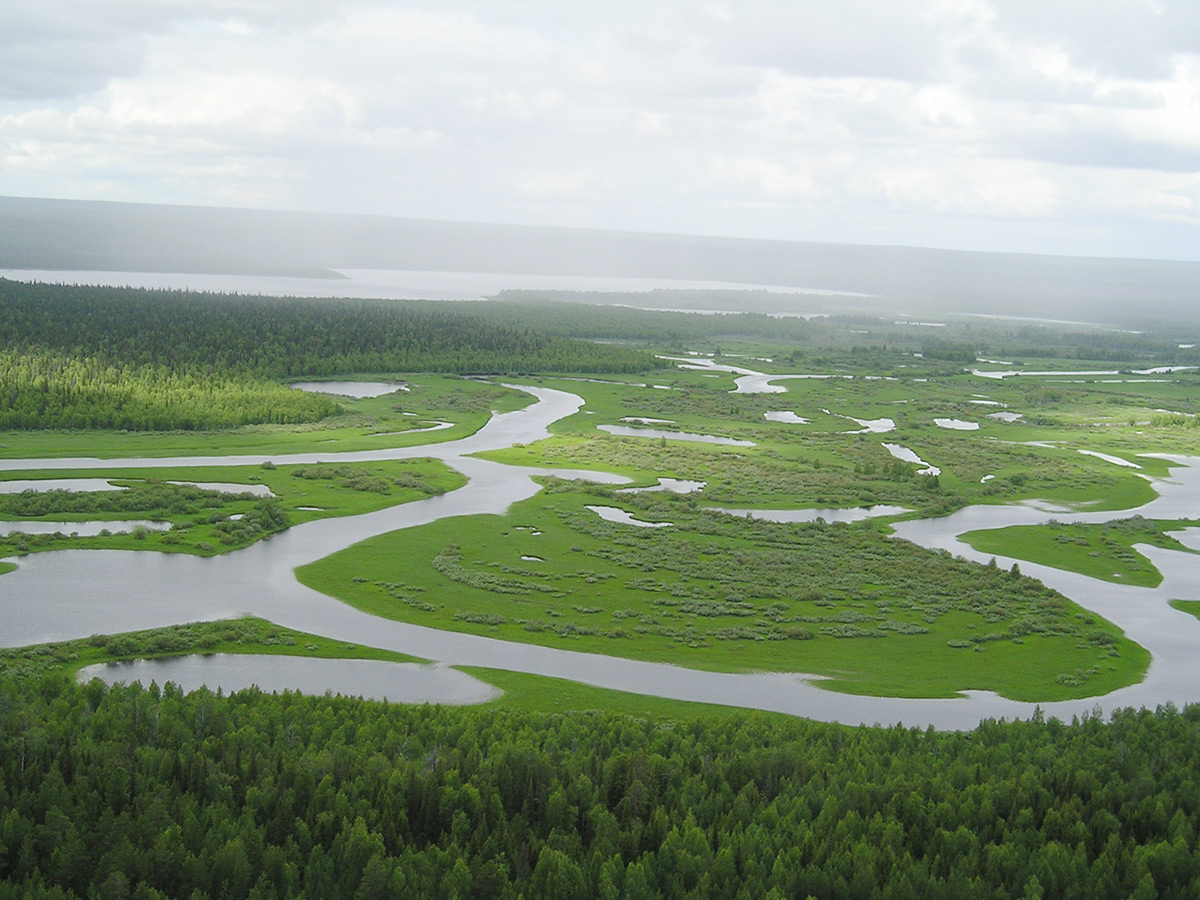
(148, 793)
(94, 357)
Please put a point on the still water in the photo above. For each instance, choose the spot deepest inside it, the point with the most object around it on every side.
(659, 433)
(83, 529)
(356, 389)
(75, 593)
(367, 678)
(409, 284)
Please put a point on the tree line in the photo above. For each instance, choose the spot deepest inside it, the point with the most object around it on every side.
(48, 389)
(122, 358)
(281, 337)
(149, 793)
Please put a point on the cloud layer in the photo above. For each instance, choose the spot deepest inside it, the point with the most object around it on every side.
(1069, 127)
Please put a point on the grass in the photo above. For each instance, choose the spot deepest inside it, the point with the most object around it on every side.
(349, 490)
(1104, 551)
(260, 637)
(1191, 607)
(551, 573)
(365, 425)
(821, 463)
(1123, 492)
(247, 635)
(537, 693)
(589, 598)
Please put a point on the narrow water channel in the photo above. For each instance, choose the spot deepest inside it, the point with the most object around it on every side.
(76, 593)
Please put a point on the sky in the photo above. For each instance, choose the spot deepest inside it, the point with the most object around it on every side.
(1047, 126)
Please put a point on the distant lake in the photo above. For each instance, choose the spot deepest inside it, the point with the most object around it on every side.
(391, 283)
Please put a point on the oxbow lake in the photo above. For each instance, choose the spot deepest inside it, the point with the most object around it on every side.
(76, 593)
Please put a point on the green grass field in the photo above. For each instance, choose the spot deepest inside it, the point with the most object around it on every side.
(536, 693)
(1099, 551)
(825, 462)
(347, 490)
(710, 591)
(368, 424)
(1191, 607)
(720, 593)
(244, 635)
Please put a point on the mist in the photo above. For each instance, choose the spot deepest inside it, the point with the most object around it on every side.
(792, 276)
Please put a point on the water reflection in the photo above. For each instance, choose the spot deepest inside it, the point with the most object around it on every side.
(357, 389)
(74, 593)
(82, 529)
(367, 678)
(627, 431)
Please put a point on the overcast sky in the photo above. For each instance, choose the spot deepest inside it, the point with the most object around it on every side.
(1032, 125)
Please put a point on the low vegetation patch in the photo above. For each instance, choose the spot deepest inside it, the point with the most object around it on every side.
(203, 521)
(724, 593)
(245, 635)
(1104, 550)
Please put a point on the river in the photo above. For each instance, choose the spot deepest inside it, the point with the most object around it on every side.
(76, 593)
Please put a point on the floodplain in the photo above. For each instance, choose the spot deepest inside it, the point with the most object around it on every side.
(727, 424)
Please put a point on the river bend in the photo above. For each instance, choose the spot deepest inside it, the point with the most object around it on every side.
(75, 593)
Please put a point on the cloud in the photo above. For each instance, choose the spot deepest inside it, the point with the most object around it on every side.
(1124, 39)
(767, 117)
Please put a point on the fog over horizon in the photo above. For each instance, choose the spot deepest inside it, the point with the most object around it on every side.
(1010, 126)
(312, 254)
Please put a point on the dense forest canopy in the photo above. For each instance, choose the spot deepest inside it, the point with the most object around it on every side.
(148, 793)
(84, 357)
(283, 337)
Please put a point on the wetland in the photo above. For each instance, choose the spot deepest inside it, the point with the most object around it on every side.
(749, 550)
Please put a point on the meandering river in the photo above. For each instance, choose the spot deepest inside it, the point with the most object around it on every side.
(75, 593)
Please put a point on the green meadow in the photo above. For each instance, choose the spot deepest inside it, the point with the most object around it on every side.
(870, 614)
(400, 419)
(209, 522)
(844, 406)
(1105, 551)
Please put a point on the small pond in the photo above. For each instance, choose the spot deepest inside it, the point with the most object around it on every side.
(612, 514)
(673, 485)
(359, 390)
(903, 453)
(624, 431)
(786, 416)
(83, 529)
(872, 426)
(1108, 457)
(229, 487)
(372, 679)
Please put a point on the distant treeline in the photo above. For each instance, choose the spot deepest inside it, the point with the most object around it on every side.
(633, 316)
(101, 357)
(682, 317)
(285, 337)
(148, 793)
(47, 389)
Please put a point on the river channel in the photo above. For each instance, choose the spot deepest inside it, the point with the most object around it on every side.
(76, 593)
